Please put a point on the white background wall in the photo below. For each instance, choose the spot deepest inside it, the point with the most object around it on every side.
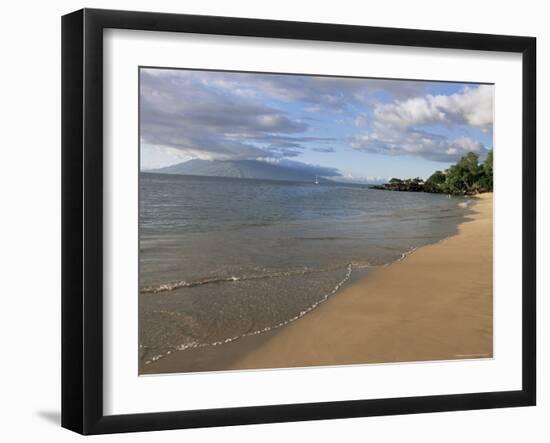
(30, 218)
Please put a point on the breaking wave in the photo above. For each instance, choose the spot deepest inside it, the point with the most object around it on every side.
(172, 286)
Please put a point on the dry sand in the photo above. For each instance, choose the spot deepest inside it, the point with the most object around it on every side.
(436, 304)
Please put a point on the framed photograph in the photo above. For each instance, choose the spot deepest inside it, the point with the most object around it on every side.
(269, 221)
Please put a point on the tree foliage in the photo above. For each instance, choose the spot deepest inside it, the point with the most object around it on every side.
(437, 178)
(467, 176)
(435, 182)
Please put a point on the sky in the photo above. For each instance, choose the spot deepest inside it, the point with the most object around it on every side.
(350, 129)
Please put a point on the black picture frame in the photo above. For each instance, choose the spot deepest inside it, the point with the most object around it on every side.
(82, 219)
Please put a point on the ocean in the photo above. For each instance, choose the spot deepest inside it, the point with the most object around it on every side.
(223, 258)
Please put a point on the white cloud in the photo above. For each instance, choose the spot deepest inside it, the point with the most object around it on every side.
(219, 115)
(416, 143)
(398, 126)
(472, 106)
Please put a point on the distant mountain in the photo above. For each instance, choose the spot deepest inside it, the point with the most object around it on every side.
(252, 169)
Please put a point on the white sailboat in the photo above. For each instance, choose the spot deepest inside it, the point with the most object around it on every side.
(316, 180)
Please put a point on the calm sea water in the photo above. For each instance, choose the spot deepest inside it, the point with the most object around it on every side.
(221, 258)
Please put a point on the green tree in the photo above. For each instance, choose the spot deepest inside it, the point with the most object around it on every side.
(463, 177)
(436, 182)
(488, 171)
(437, 178)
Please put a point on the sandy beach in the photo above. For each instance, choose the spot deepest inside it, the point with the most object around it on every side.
(436, 304)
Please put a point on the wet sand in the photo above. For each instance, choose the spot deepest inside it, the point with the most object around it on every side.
(436, 304)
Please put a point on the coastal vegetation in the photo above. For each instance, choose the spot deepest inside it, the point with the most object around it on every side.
(468, 176)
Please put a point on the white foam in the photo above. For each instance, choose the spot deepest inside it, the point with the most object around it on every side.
(350, 267)
(194, 345)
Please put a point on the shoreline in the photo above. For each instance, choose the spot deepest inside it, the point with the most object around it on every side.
(435, 304)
